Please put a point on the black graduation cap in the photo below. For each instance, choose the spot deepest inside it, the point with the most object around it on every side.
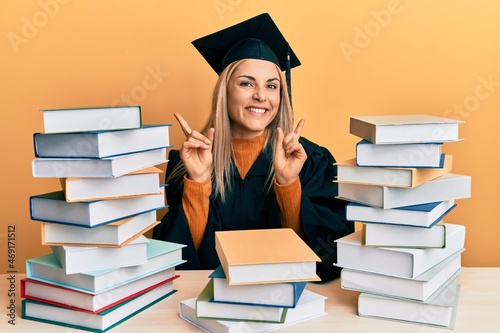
(255, 38)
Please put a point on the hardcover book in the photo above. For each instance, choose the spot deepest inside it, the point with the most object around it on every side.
(53, 207)
(90, 167)
(399, 262)
(91, 119)
(265, 256)
(415, 128)
(100, 144)
(387, 235)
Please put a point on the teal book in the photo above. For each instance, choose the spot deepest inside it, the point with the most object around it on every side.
(161, 256)
(284, 294)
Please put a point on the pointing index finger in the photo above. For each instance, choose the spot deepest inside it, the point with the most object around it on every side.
(300, 125)
(184, 125)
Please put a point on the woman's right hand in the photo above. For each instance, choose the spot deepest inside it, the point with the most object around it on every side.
(196, 151)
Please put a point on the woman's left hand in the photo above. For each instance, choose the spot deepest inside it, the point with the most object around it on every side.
(289, 156)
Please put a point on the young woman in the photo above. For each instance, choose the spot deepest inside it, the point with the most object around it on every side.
(249, 168)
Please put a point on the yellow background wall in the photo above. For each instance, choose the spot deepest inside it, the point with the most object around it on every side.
(358, 58)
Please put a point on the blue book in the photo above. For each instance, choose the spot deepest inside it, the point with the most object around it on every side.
(423, 215)
(284, 294)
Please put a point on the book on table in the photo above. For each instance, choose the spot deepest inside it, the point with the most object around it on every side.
(439, 310)
(414, 128)
(285, 294)
(114, 234)
(447, 187)
(65, 120)
(79, 259)
(100, 144)
(141, 182)
(400, 155)
(387, 235)
(91, 167)
(265, 256)
(161, 256)
(206, 308)
(349, 172)
(311, 305)
(419, 288)
(93, 303)
(422, 215)
(53, 207)
(98, 322)
(399, 262)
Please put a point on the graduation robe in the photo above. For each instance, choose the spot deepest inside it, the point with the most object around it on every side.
(250, 205)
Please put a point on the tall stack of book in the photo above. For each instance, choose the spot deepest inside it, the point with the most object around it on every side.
(405, 260)
(102, 269)
(260, 285)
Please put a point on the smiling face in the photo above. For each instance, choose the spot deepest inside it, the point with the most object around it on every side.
(253, 97)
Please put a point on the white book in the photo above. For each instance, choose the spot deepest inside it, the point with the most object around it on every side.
(91, 167)
(52, 207)
(440, 310)
(65, 297)
(91, 119)
(399, 262)
(113, 234)
(161, 256)
(404, 155)
(447, 187)
(390, 235)
(423, 215)
(349, 172)
(98, 322)
(141, 182)
(419, 288)
(100, 144)
(414, 128)
(79, 259)
(311, 305)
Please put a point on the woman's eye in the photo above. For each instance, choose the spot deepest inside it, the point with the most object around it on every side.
(272, 86)
(245, 84)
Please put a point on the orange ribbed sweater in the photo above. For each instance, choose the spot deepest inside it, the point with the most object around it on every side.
(195, 199)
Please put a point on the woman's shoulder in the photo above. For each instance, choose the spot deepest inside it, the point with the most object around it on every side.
(313, 148)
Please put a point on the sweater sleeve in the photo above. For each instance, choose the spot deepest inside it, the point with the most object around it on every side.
(289, 197)
(195, 202)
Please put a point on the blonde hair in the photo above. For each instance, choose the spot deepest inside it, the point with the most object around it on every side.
(222, 148)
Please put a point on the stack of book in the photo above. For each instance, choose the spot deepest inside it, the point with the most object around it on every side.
(102, 269)
(405, 260)
(260, 285)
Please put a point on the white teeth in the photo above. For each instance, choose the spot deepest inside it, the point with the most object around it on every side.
(261, 111)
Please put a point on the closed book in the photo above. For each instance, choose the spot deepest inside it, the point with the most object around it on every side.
(387, 235)
(422, 215)
(99, 322)
(447, 187)
(265, 256)
(65, 120)
(414, 128)
(403, 155)
(270, 294)
(101, 144)
(419, 288)
(161, 256)
(400, 262)
(349, 172)
(53, 207)
(141, 182)
(114, 234)
(91, 167)
(85, 302)
(311, 305)
(79, 259)
(440, 310)
(206, 308)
